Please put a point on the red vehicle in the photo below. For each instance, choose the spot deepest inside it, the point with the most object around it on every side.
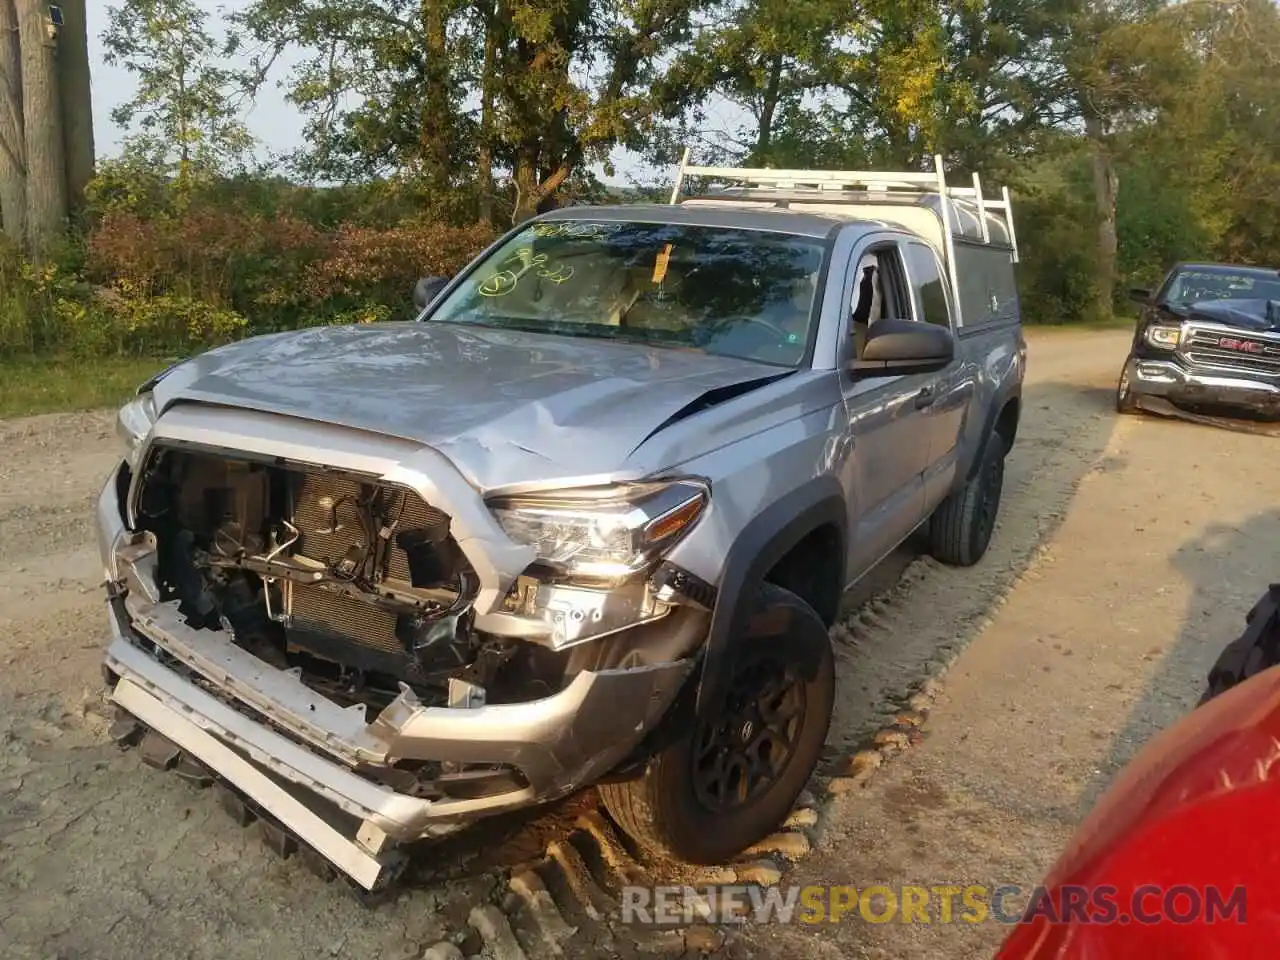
(1181, 857)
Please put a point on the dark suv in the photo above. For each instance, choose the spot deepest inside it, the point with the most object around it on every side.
(1208, 337)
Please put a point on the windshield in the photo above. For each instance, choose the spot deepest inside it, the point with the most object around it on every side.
(730, 292)
(1199, 284)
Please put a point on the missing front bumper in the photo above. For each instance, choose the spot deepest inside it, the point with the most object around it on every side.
(297, 757)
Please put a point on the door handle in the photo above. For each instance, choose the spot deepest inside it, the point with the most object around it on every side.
(925, 398)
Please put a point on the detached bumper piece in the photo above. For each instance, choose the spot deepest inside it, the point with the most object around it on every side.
(329, 840)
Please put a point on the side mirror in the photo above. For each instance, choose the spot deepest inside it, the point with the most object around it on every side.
(1140, 295)
(427, 289)
(897, 347)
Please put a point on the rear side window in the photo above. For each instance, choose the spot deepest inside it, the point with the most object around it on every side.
(926, 285)
(988, 291)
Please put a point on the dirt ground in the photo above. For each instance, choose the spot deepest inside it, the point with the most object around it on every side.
(1127, 553)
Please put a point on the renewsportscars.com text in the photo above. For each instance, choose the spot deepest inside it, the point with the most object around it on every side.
(939, 903)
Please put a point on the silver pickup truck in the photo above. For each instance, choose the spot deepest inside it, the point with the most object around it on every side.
(587, 520)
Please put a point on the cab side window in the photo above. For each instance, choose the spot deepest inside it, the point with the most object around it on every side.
(926, 285)
(879, 291)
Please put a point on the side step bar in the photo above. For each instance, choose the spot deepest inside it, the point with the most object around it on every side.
(345, 854)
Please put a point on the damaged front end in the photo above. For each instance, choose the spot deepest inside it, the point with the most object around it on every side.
(1214, 362)
(339, 627)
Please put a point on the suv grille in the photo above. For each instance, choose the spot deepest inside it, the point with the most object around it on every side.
(1239, 353)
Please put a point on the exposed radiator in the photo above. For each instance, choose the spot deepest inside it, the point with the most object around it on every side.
(327, 514)
(319, 610)
(325, 510)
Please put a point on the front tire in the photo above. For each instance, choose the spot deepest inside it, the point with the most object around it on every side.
(1125, 402)
(961, 527)
(732, 779)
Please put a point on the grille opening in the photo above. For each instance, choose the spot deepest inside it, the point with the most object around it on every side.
(359, 583)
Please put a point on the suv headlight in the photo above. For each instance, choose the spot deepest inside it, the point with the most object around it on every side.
(608, 533)
(133, 423)
(1164, 337)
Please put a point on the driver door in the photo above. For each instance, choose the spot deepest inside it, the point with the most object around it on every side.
(887, 438)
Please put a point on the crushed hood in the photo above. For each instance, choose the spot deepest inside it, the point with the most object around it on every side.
(1259, 316)
(505, 406)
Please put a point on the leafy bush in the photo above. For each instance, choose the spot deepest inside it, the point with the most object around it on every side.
(155, 270)
(1056, 229)
(123, 320)
(363, 263)
(276, 272)
(35, 303)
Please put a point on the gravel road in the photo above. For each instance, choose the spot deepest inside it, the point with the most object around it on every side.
(1127, 552)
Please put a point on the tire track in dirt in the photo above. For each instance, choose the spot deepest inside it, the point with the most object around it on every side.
(147, 865)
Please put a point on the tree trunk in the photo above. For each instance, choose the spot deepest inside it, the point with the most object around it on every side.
(1106, 183)
(77, 105)
(525, 176)
(435, 132)
(42, 115)
(13, 148)
(484, 172)
(534, 192)
(768, 109)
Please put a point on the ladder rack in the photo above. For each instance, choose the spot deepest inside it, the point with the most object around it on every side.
(853, 186)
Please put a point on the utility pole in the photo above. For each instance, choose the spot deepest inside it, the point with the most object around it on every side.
(77, 102)
(13, 145)
(46, 118)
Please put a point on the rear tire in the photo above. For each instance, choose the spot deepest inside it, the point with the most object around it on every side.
(733, 778)
(1125, 403)
(961, 527)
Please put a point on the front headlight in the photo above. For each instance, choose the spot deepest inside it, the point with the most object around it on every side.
(608, 533)
(1167, 338)
(133, 423)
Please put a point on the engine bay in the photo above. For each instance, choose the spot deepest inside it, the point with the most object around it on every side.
(355, 583)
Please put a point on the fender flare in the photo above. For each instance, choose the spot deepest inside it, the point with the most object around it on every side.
(765, 540)
(1013, 392)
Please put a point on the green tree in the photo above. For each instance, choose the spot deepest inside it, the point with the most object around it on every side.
(184, 113)
(424, 91)
(880, 83)
(1234, 112)
(764, 57)
(1120, 63)
(379, 83)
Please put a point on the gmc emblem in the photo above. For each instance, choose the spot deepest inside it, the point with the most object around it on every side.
(1244, 346)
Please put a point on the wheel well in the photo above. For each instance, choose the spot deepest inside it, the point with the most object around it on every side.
(1007, 423)
(812, 571)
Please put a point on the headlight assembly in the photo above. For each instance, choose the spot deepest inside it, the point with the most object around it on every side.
(133, 423)
(1166, 338)
(609, 533)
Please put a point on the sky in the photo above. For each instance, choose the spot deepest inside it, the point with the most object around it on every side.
(276, 124)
